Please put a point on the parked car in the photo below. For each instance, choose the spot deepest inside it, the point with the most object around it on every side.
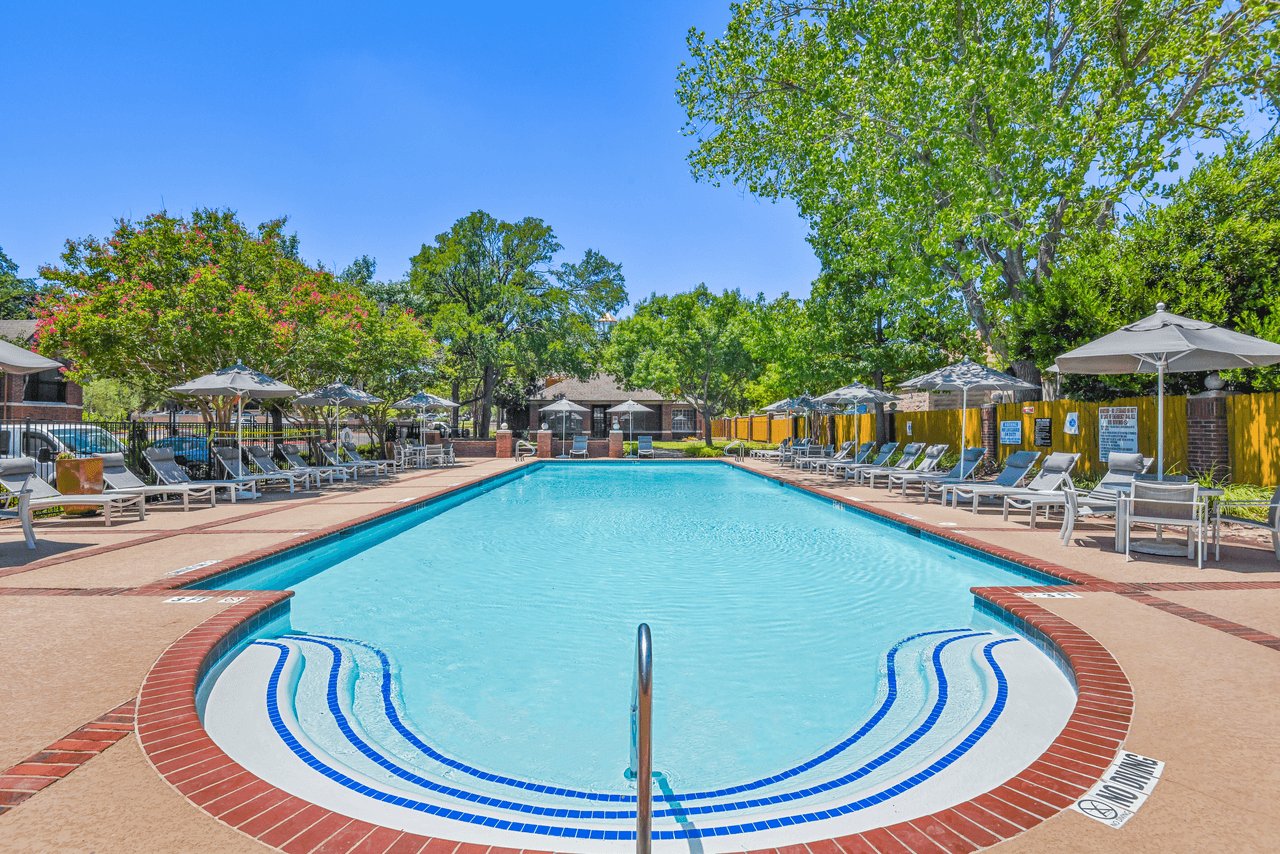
(45, 441)
(187, 450)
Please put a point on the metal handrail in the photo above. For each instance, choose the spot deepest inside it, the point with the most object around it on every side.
(641, 769)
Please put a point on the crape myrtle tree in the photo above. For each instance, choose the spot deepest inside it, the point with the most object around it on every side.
(168, 299)
(976, 134)
(1211, 252)
(691, 346)
(500, 306)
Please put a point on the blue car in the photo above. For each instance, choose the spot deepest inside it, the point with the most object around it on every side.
(187, 450)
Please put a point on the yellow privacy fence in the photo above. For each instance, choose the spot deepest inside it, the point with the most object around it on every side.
(1253, 438)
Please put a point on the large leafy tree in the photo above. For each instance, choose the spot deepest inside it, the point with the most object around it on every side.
(691, 346)
(500, 305)
(18, 296)
(168, 299)
(975, 135)
(1211, 252)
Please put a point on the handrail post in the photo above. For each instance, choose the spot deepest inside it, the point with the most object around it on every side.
(641, 743)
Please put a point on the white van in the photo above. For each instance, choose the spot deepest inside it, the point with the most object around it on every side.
(44, 441)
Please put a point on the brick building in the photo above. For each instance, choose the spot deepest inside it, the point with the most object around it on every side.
(46, 396)
(670, 419)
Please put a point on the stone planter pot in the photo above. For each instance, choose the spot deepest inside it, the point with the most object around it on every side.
(81, 476)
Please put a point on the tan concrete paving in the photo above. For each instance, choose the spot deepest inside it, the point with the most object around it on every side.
(66, 660)
(1258, 609)
(117, 804)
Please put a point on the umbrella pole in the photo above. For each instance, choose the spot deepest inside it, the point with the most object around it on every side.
(239, 424)
(964, 421)
(1160, 420)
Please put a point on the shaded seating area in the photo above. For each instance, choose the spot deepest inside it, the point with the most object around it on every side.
(18, 475)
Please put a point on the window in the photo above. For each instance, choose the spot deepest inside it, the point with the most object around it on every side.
(683, 420)
(45, 387)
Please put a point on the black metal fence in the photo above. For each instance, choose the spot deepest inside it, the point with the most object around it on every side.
(189, 441)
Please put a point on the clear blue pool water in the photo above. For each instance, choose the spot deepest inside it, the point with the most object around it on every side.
(510, 618)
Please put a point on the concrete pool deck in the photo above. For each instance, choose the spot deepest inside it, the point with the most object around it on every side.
(1199, 648)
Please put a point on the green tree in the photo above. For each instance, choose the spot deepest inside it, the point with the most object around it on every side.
(111, 400)
(17, 295)
(498, 304)
(167, 299)
(1212, 253)
(976, 134)
(690, 346)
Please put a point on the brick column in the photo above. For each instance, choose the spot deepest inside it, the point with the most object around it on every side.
(990, 431)
(1207, 435)
(544, 444)
(615, 444)
(503, 448)
(666, 422)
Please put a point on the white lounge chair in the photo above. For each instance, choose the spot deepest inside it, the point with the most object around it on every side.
(22, 512)
(1016, 468)
(353, 453)
(119, 478)
(866, 475)
(18, 474)
(644, 447)
(163, 463)
(260, 456)
(962, 471)
(229, 459)
(847, 469)
(579, 448)
(293, 456)
(1045, 491)
(856, 457)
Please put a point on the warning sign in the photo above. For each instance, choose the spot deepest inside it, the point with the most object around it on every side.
(1124, 787)
(1117, 430)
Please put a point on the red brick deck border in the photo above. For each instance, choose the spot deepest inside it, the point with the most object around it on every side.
(48, 766)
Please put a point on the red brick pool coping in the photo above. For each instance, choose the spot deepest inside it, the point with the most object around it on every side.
(177, 746)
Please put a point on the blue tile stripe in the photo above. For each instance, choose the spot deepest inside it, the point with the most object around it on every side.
(920, 777)
(393, 717)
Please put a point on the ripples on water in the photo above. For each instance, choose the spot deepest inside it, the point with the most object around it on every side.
(512, 618)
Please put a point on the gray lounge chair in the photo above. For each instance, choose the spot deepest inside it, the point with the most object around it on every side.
(21, 512)
(962, 471)
(1163, 505)
(1045, 489)
(260, 456)
(847, 455)
(168, 471)
(772, 453)
(293, 456)
(353, 454)
(579, 448)
(847, 469)
(119, 478)
(1016, 468)
(229, 459)
(18, 474)
(910, 454)
(644, 447)
(1103, 499)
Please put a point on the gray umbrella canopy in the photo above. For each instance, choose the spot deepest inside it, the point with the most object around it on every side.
(337, 394)
(235, 381)
(1166, 342)
(564, 408)
(966, 376)
(628, 408)
(425, 400)
(853, 394)
(19, 360)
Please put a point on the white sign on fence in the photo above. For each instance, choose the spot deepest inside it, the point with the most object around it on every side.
(1010, 432)
(1071, 424)
(1117, 430)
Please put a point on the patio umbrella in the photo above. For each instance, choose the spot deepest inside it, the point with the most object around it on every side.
(424, 400)
(966, 376)
(629, 407)
(564, 408)
(1166, 342)
(853, 394)
(19, 360)
(239, 382)
(337, 394)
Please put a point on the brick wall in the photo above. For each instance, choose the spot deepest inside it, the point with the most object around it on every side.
(1207, 440)
(474, 447)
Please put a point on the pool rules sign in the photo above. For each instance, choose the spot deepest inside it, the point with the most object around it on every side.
(1123, 788)
(1117, 430)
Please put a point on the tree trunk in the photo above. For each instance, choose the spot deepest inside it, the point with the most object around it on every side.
(1026, 370)
(706, 427)
(488, 382)
(882, 423)
(454, 395)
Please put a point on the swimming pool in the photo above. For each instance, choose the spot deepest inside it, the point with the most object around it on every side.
(807, 658)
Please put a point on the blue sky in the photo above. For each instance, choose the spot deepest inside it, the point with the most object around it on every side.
(374, 126)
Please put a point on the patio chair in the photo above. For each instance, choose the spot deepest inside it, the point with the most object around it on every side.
(1016, 468)
(822, 453)
(229, 460)
(579, 448)
(1044, 490)
(771, 453)
(260, 456)
(1164, 505)
(163, 463)
(1272, 522)
(886, 451)
(18, 474)
(329, 450)
(962, 471)
(796, 447)
(22, 512)
(293, 456)
(644, 447)
(910, 454)
(437, 455)
(1122, 470)
(1077, 506)
(525, 449)
(119, 478)
(848, 455)
(353, 453)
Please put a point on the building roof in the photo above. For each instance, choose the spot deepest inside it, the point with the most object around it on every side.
(601, 388)
(17, 330)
